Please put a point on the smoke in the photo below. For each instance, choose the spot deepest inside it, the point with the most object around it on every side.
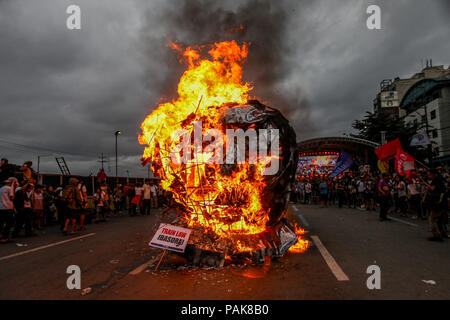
(263, 23)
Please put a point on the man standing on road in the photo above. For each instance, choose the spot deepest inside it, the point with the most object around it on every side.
(436, 201)
(383, 196)
(147, 196)
(22, 203)
(7, 208)
(308, 190)
(361, 186)
(72, 197)
(415, 200)
(84, 205)
(323, 193)
(154, 194)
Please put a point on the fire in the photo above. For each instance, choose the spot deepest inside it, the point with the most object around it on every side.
(301, 244)
(224, 204)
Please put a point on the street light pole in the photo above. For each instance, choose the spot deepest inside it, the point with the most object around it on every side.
(116, 134)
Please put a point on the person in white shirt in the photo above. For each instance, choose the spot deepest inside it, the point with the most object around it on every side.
(400, 187)
(7, 208)
(99, 200)
(361, 189)
(154, 195)
(147, 197)
(415, 189)
(308, 190)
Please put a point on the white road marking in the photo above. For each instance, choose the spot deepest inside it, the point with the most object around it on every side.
(143, 266)
(332, 264)
(305, 223)
(45, 247)
(302, 218)
(403, 221)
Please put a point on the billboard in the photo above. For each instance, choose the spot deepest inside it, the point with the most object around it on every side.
(389, 99)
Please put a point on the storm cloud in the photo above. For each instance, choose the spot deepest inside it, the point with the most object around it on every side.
(65, 92)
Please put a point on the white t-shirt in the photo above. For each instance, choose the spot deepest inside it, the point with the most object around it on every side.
(6, 193)
(361, 186)
(414, 187)
(153, 189)
(308, 187)
(401, 189)
(138, 191)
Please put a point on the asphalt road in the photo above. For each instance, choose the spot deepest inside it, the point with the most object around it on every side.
(350, 240)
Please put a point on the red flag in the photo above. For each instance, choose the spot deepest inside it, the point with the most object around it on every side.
(404, 163)
(388, 150)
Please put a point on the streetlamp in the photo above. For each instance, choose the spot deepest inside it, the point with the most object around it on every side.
(118, 132)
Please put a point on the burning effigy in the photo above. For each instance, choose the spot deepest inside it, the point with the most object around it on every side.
(229, 161)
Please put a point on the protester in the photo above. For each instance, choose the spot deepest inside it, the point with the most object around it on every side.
(134, 200)
(415, 200)
(353, 197)
(340, 191)
(308, 191)
(369, 194)
(118, 199)
(146, 197)
(401, 190)
(27, 172)
(5, 170)
(84, 204)
(50, 208)
(154, 195)
(323, 193)
(37, 204)
(436, 200)
(22, 204)
(361, 186)
(99, 201)
(383, 196)
(73, 200)
(7, 208)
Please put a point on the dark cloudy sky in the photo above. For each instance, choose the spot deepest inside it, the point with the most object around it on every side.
(65, 92)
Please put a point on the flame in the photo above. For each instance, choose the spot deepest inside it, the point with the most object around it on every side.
(301, 244)
(224, 204)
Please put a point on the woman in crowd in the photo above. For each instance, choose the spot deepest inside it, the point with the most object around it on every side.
(99, 201)
(37, 203)
(401, 191)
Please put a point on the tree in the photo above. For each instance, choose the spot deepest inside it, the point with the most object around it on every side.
(370, 127)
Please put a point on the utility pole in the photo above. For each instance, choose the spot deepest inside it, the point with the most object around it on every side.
(429, 149)
(117, 133)
(102, 160)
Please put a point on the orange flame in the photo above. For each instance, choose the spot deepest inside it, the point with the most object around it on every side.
(301, 244)
(224, 204)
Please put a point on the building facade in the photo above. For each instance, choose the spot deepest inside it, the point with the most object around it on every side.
(392, 91)
(427, 104)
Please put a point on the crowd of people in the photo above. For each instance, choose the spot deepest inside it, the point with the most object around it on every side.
(24, 205)
(27, 206)
(421, 195)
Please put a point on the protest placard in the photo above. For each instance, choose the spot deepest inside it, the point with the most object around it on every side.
(171, 237)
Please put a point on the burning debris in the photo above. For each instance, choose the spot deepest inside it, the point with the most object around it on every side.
(234, 201)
